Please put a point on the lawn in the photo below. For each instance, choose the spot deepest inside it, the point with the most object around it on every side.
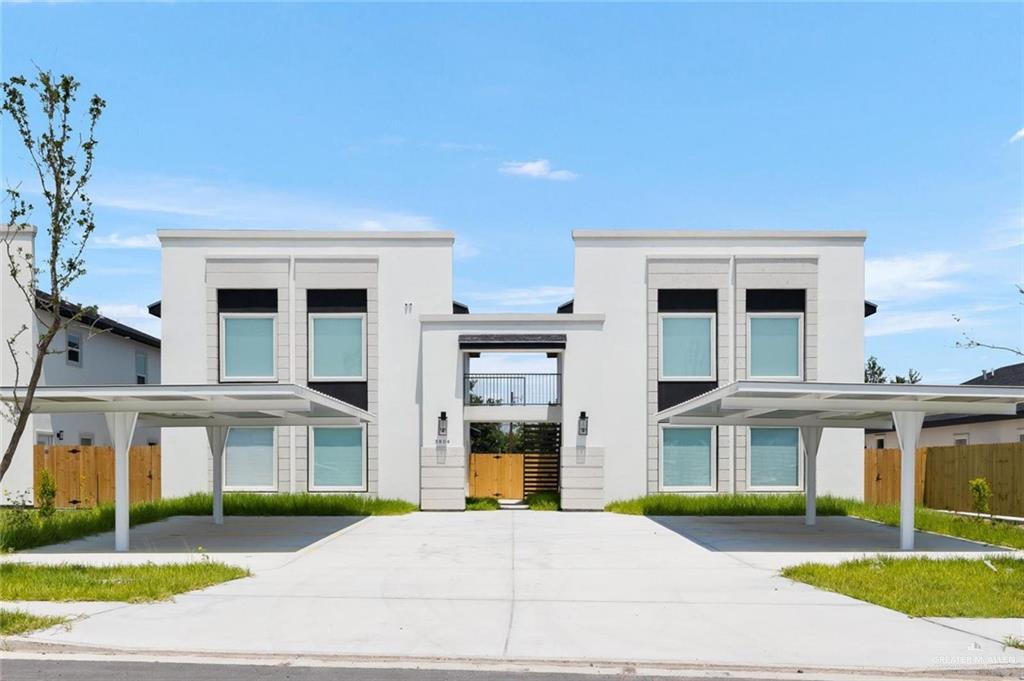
(482, 504)
(23, 529)
(14, 622)
(926, 519)
(131, 583)
(925, 587)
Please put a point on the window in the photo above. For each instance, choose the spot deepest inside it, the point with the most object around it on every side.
(338, 460)
(74, 351)
(880, 443)
(337, 347)
(961, 439)
(248, 347)
(687, 459)
(775, 345)
(687, 346)
(249, 460)
(141, 367)
(1021, 437)
(774, 458)
(85, 439)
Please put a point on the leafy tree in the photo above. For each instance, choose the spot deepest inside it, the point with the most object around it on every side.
(968, 341)
(62, 159)
(874, 372)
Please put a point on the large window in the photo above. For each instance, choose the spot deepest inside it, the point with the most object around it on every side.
(247, 347)
(338, 459)
(687, 459)
(687, 346)
(774, 458)
(775, 345)
(337, 347)
(249, 460)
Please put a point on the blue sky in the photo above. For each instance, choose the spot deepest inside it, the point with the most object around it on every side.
(512, 124)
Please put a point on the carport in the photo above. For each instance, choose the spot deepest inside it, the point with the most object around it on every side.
(812, 407)
(213, 407)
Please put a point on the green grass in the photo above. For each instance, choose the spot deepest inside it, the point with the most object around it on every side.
(926, 519)
(542, 501)
(724, 504)
(482, 504)
(925, 587)
(14, 622)
(132, 583)
(27, 529)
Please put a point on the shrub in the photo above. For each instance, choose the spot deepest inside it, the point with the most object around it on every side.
(47, 494)
(981, 492)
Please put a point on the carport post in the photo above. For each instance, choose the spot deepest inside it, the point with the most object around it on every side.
(908, 431)
(121, 426)
(811, 435)
(218, 437)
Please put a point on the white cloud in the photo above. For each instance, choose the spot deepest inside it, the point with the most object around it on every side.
(911, 277)
(116, 240)
(210, 204)
(897, 322)
(1017, 136)
(133, 315)
(535, 296)
(540, 168)
(464, 250)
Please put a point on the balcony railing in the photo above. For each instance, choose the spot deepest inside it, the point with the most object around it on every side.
(513, 389)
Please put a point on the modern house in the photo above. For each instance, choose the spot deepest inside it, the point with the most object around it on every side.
(95, 350)
(369, 318)
(966, 429)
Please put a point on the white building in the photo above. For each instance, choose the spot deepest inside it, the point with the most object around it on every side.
(966, 429)
(369, 318)
(93, 351)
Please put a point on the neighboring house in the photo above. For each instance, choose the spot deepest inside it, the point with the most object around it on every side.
(658, 317)
(94, 351)
(963, 429)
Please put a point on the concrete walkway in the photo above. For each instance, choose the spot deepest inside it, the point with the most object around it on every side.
(567, 586)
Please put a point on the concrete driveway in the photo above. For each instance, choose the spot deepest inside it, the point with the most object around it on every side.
(541, 586)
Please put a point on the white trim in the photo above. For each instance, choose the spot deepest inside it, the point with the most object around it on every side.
(67, 347)
(223, 355)
(311, 344)
(250, 488)
(800, 344)
(713, 349)
(662, 487)
(799, 486)
(53, 438)
(311, 449)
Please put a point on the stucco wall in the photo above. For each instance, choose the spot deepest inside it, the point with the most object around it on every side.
(988, 432)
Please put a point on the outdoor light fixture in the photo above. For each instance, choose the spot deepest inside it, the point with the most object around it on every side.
(60, 434)
(442, 425)
(584, 424)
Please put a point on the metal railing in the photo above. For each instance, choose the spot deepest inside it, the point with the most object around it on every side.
(512, 389)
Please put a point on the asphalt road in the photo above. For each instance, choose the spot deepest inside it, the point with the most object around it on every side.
(50, 670)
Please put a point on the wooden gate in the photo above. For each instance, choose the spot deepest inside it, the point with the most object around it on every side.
(542, 443)
(496, 475)
(84, 474)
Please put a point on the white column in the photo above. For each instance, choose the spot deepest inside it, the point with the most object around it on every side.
(218, 437)
(908, 430)
(121, 426)
(811, 435)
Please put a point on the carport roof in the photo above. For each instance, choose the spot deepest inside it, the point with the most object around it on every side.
(278, 404)
(836, 405)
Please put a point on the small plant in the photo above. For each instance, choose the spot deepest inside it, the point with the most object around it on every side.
(47, 494)
(981, 492)
(1013, 642)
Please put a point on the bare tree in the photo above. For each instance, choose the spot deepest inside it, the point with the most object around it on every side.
(969, 341)
(63, 162)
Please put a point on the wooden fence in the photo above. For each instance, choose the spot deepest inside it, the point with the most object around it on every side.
(943, 474)
(84, 475)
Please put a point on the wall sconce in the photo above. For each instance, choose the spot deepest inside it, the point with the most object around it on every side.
(442, 425)
(584, 425)
(60, 434)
